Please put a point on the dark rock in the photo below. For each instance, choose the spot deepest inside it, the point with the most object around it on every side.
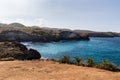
(17, 51)
(69, 35)
(33, 54)
(21, 46)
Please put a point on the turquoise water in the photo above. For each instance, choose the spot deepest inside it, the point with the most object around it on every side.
(96, 48)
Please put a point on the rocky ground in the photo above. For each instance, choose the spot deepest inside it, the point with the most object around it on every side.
(49, 70)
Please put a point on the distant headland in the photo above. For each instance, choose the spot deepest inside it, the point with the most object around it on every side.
(21, 33)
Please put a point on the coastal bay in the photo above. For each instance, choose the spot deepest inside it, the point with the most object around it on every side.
(96, 48)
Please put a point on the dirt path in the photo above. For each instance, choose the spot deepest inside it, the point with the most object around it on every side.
(48, 70)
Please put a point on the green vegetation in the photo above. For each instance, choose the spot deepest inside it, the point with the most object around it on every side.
(78, 60)
(89, 63)
(107, 66)
(64, 59)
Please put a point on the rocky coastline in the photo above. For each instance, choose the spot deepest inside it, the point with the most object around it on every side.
(11, 35)
(21, 33)
(16, 35)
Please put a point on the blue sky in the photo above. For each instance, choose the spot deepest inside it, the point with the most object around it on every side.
(97, 15)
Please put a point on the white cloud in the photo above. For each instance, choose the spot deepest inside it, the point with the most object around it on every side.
(40, 22)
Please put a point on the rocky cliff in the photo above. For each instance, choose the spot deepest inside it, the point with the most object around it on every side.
(36, 34)
(98, 34)
(19, 32)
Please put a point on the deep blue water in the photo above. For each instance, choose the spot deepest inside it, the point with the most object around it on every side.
(96, 48)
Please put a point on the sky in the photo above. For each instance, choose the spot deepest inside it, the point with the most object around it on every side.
(96, 15)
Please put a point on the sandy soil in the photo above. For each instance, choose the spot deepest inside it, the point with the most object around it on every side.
(48, 70)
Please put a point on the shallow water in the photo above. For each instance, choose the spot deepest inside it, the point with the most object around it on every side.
(96, 48)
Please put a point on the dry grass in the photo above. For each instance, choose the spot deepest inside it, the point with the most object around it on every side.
(49, 70)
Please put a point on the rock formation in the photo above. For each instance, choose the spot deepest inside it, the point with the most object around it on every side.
(18, 51)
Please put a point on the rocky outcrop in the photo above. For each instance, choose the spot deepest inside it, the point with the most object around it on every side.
(18, 51)
(32, 54)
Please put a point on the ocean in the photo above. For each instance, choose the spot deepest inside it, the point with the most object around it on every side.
(97, 48)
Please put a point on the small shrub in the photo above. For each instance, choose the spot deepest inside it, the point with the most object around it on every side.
(65, 59)
(89, 62)
(78, 60)
(107, 66)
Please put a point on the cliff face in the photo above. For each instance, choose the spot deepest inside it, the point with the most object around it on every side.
(68, 35)
(19, 32)
(98, 34)
(14, 36)
(47, 35)
(104, 34)
(40, 36)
